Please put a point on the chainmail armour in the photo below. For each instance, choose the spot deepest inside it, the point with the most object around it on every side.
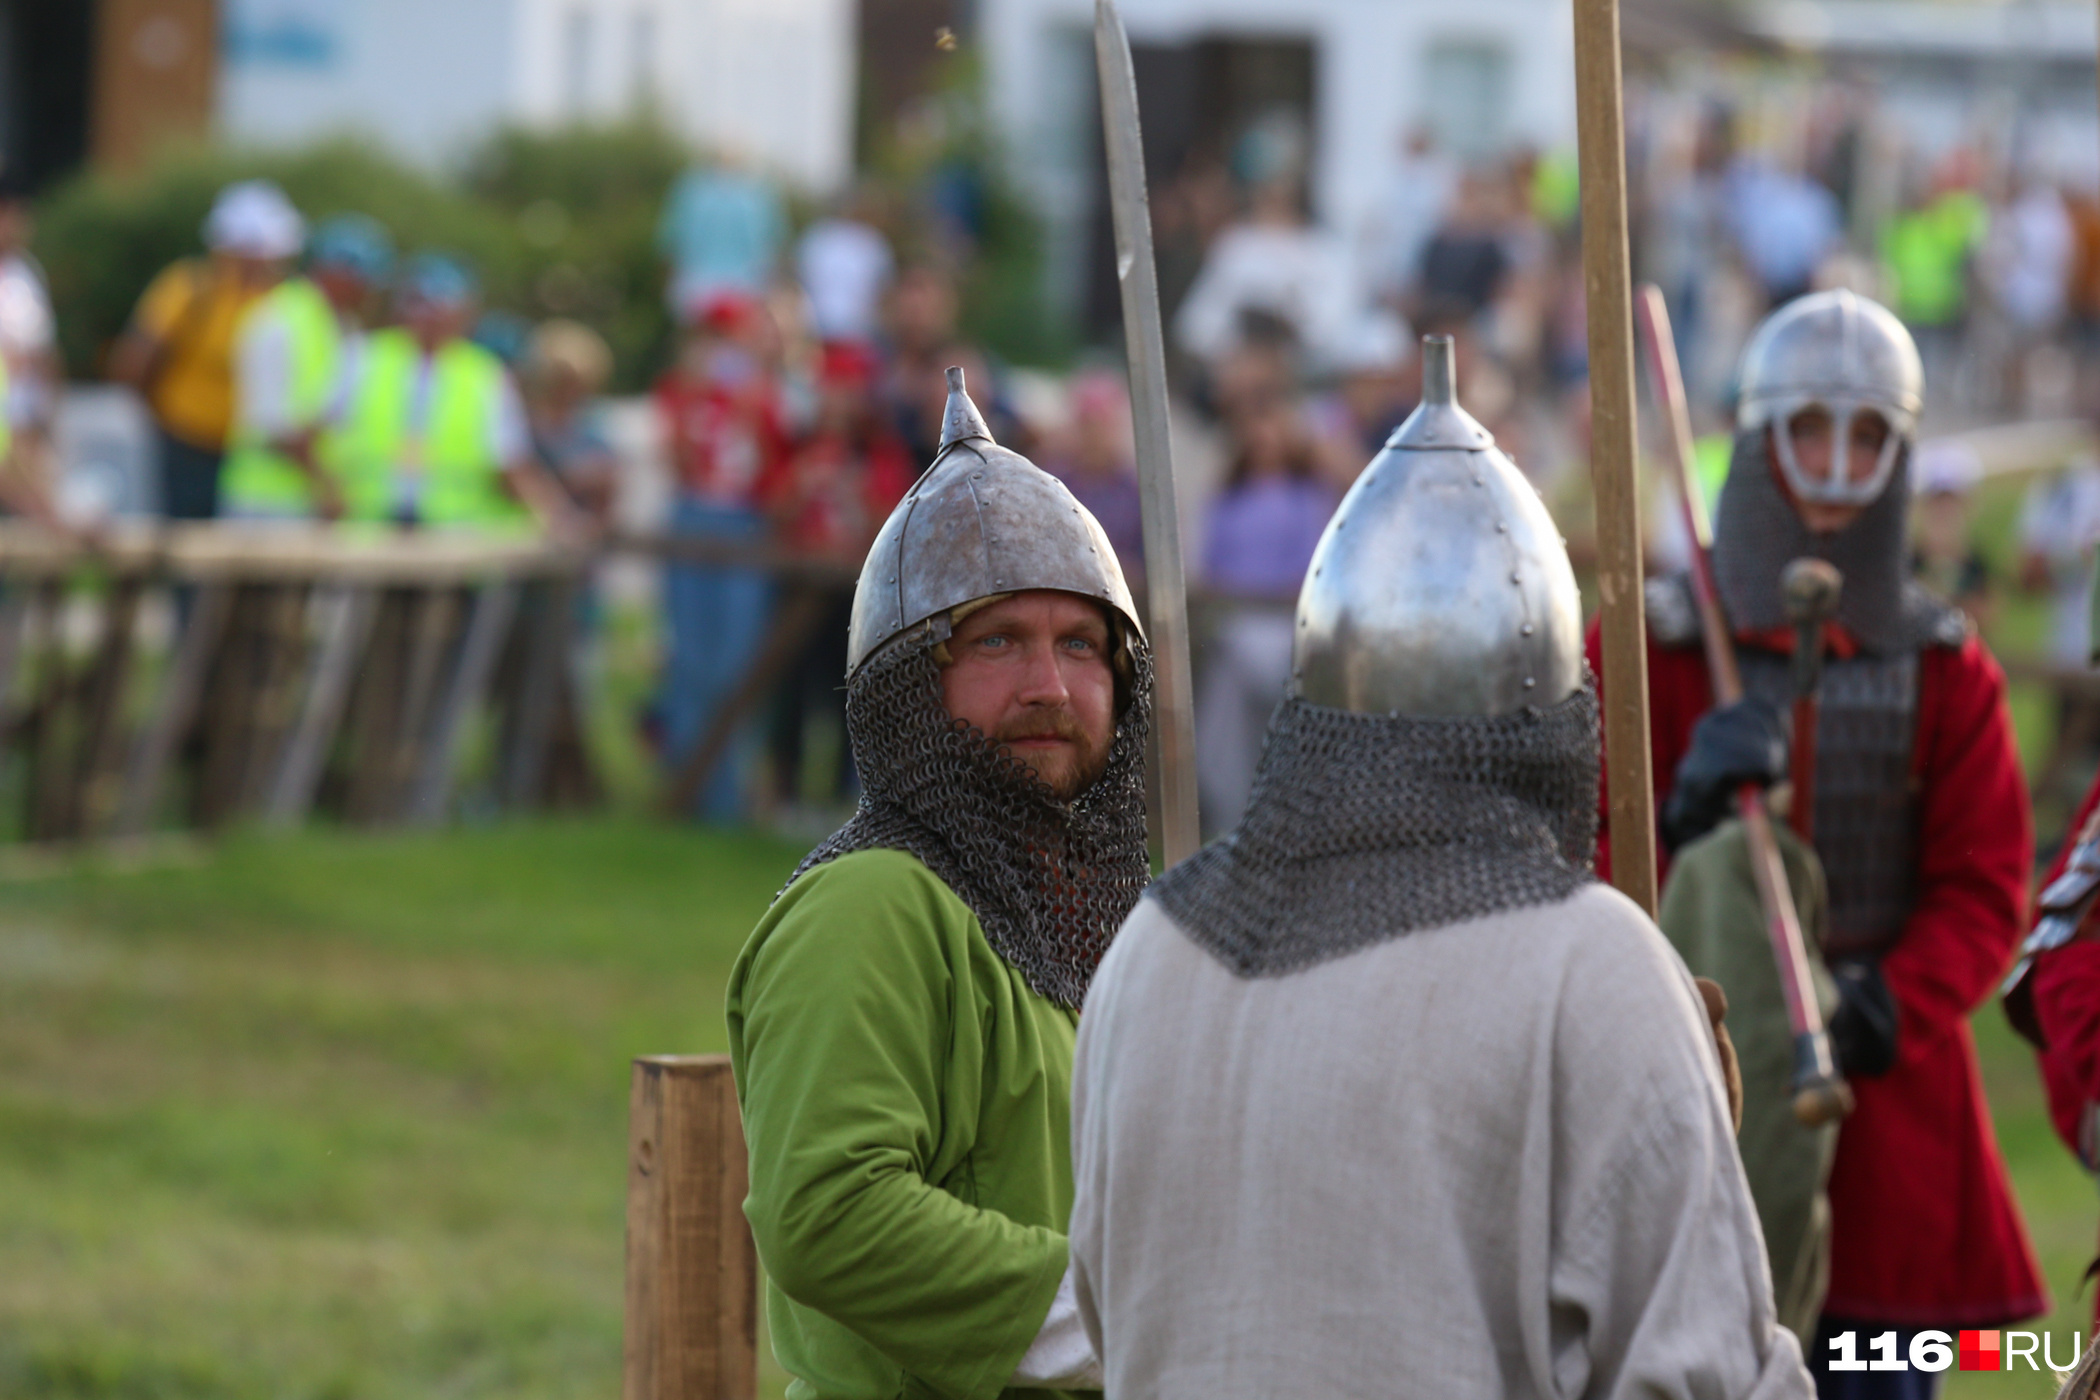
(1866, 814)
(1050, 882)
(1757, 534)
(1361, 828)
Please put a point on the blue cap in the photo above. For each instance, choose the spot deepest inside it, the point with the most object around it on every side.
(503, 334)
(355, 242)
(437, 277)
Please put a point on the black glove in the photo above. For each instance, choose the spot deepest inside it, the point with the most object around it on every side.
(1736, 744)
(1863, 1028)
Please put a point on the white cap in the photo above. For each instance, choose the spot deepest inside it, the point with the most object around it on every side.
(1378, 342)
(1947, 467)
(253, 219)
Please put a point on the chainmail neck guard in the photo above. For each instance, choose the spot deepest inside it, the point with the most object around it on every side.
(1757, 534)
(1362, 828)
(1051, 882)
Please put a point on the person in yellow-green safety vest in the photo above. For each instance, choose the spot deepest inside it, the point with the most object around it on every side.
(296, 356)
(433, 434)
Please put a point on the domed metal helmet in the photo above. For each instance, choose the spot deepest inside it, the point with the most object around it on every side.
(982, 521)
(1441, 586)
(1840, 353)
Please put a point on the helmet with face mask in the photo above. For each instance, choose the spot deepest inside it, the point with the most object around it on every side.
(1840, 357)
(1843, 356)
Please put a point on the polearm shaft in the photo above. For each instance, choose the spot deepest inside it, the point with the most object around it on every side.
(1145, 343)
(1607, 288)
(1820, 1093)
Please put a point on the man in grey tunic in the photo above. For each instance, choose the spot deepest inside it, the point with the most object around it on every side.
(1383, 1094)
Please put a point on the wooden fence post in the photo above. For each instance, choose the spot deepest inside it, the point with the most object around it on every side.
(692, 1270)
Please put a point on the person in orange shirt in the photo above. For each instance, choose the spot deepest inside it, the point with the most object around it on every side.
(178, 349)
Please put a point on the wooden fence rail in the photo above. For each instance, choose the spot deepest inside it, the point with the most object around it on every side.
(306, 666)
(320, 667)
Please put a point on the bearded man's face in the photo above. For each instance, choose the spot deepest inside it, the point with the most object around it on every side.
(1034, 673)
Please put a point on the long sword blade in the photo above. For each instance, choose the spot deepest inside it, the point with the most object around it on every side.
(1145, 344)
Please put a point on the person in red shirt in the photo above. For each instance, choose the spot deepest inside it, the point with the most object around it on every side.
(836, 489)
(2055, 1001)
(1921, 820)
(2053, 996)
(722, 418)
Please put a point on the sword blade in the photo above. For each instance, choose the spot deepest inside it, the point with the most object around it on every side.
(1145, 344)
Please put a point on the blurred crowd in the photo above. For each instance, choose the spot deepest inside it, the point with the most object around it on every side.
(313, 370)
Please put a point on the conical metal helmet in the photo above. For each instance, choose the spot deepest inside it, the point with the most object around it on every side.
(1441, 586)
(982, 520)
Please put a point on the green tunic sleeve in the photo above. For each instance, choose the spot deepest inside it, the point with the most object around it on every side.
(1711, 915)
(868, 1051)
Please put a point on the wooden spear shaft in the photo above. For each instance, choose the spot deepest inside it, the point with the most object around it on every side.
(1607, 289)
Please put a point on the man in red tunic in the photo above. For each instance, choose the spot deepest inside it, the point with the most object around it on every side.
(2056, 1002)
(2053, 997)
(1921, 820)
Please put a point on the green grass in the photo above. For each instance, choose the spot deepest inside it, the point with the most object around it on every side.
(342, 1116)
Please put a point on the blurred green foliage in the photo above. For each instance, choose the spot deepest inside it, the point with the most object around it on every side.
(583, 206)
(557, 223)
(969, 215)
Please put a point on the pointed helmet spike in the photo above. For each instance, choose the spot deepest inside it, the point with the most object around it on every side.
(1439, 376)
(961, 419)
(1438, 422)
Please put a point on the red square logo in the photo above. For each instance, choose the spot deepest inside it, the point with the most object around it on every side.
(1979, 1351)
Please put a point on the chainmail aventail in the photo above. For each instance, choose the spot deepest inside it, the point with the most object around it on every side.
(1051, 882)
(1362, 828)
(1757, 534)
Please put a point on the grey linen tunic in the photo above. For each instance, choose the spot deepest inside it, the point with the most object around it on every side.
(1492, 1159)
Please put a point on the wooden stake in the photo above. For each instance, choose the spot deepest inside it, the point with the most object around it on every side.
(375, 719)
(181, 692)
(99, 757)
(14, 631)
(281, 670)
(435, 628)
(536, 705)
(1608, 293)
(347, 614)
(488, 626)
(692, 1270)
(47, 785)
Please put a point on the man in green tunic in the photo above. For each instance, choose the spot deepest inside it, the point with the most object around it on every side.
(902, 1020)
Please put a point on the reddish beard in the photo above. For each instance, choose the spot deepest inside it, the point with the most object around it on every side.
(1068, 771)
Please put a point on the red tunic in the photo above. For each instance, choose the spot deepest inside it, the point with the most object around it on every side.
(1924, 1227)
(2066, 988)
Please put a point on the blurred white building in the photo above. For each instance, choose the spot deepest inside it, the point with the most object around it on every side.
(2014, 80)
(1485, 77)
(770, 80)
